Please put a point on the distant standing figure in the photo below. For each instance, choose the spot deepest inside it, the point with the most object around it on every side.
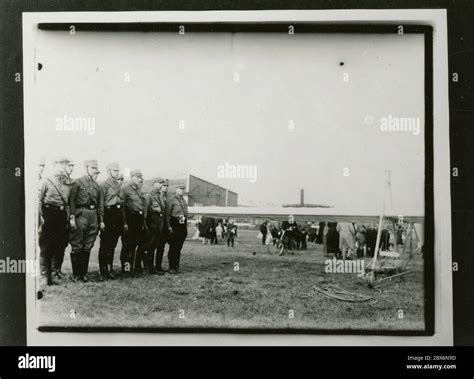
(163, 239)
(212, 232)
(291, 229)
(306, 232)
(333, 239)
(219, 231)
(111, 197)
(196, 232)
(134, 208)
(87, 212)
(325, 238)
(176, 221)
(269, 236)
(263, 230)
(399, 236)
(385, 240)
(319, 237)
(52, 220)
(370, 240)
(231, 233)
(58, 261)
(154, 221)
(346, 238)
(313, 232)
(360, 240)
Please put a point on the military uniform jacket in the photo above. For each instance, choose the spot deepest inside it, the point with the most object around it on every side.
(53, 191)
(133, 199)
(85, 194)
(110, 192)
(175, 207)
(69, 181)
(154, 202)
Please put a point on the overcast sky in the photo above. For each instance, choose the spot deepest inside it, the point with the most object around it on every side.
(281, 79)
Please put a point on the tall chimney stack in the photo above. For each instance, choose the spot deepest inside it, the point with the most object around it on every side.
(302, 197)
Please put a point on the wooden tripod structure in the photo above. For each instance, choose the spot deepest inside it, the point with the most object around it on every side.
(379, 255)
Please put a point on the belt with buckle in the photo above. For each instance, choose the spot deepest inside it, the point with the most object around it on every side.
(135, 212)
(56, 207)
(116, 206)
(87, 207)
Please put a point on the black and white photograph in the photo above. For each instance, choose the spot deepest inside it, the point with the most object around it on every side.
(231, 175)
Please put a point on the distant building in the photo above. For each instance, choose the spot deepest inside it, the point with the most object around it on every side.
(200, 192)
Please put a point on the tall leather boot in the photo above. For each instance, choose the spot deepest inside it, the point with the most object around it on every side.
(85, 265)
(103, 268)
(75, 266)
(56, 266)
(45, 268)
(110, 265)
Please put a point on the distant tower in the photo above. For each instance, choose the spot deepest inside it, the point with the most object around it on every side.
(302, 197)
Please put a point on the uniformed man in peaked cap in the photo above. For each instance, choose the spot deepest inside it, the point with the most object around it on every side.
(163, 237)
(52, 212)
(154, 218)
(59, 259)
(176, 222)
(114, 220)
(134, 203)
(86, 213)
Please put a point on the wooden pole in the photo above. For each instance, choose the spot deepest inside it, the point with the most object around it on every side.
(379, 231)
(416, 234)
(411, 243)
(377, 243)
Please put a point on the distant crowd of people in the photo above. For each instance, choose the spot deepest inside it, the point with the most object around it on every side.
(343, 240)
(216, 231)
(294, 236)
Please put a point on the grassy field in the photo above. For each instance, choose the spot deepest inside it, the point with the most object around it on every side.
(210, 293)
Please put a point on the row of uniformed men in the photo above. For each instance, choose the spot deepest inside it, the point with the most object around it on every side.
(73, 211)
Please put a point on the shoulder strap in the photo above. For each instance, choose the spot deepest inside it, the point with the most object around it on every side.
(80, 181)
(137, 192)
(116, 190)
(58, 191)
